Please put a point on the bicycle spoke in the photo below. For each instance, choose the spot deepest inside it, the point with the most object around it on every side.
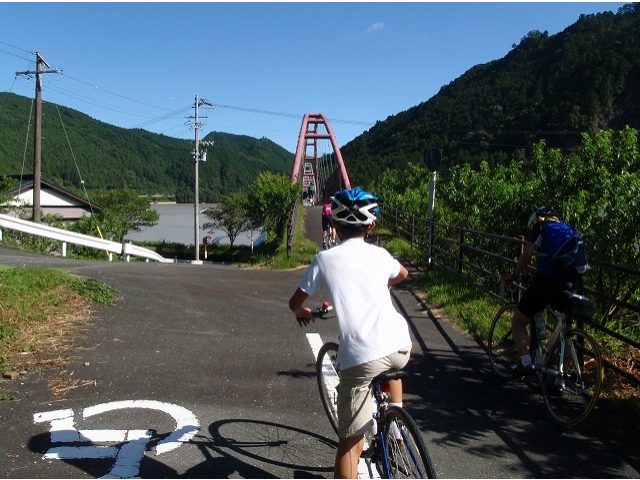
(405, 450)
(571, 394)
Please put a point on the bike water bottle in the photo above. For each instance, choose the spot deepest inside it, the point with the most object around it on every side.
(541, 329)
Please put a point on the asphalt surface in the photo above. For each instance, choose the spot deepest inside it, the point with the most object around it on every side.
(200, 371)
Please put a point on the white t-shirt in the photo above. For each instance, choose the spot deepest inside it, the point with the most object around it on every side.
(355, 275)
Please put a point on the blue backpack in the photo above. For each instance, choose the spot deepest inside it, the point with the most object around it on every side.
(571, 258)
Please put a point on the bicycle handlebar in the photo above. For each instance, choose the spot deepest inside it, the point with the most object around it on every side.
(320, 312)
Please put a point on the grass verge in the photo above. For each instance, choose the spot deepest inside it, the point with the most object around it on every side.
(41, 315)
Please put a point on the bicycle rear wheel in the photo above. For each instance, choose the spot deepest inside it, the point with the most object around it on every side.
(571, 395)
(328, 377)
(405, 451)
(503, 354)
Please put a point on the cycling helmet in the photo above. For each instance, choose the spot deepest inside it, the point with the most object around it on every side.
(354, 207)
(542, 214)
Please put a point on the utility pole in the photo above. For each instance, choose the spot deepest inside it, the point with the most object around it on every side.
(197, 157)
(37, 134)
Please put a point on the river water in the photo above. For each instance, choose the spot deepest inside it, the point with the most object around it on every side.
(176, 224)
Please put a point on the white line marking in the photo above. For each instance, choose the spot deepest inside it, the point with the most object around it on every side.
(134, 442)
(187, 425)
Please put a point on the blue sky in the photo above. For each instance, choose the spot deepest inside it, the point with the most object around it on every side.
(262, 65)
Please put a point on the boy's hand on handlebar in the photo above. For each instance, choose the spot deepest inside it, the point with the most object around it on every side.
(304, 316)
(509, 277)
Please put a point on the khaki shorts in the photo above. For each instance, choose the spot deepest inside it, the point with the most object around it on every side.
(355, 406)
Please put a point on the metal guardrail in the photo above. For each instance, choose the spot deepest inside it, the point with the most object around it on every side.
(65, 236)
(471, 255)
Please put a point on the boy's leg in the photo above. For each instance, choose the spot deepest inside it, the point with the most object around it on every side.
(395, 390)
(348, 456)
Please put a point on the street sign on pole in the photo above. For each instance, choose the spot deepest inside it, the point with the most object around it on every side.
(433, 159)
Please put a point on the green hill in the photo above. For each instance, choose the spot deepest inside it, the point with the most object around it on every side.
(76, 147)
(583, 79)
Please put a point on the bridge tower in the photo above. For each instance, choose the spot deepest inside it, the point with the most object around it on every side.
(326, 172)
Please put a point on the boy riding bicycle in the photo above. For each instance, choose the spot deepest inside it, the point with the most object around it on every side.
(374, 337)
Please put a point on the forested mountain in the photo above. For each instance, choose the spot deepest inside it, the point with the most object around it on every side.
(584, 79)
(76, 147)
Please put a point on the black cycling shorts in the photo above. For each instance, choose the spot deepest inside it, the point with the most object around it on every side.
(542, 290)
(326, 222)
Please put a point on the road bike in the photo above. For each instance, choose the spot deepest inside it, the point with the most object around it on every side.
(328, 241)
(394, 445)
(568, 362)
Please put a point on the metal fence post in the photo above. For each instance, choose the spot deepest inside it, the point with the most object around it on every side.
(461, 250)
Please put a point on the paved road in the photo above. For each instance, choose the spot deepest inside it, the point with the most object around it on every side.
(213, 352)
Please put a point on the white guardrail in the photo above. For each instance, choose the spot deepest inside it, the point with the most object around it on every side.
(65, 236)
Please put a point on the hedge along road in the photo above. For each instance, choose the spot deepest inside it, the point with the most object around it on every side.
(202, 371)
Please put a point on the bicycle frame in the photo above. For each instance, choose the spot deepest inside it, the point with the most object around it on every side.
(569, 364)
(540, 358)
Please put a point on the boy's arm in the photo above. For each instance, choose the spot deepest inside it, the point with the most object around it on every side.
(303, 314)
(404, 273)
(525, 258)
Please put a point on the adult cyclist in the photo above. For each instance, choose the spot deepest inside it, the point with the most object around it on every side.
(327, 230)
(547, 234)
(374, 337)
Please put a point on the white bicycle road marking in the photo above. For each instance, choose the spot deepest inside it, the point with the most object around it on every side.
(330, 378)
(134, 442)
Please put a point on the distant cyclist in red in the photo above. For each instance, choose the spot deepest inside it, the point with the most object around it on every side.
(326, 224)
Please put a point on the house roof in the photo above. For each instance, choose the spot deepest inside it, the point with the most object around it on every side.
(66, 199)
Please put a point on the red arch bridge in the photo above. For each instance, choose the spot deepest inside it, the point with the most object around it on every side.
(318, 164)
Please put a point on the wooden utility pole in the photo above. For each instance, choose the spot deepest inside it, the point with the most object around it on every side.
(37, 133)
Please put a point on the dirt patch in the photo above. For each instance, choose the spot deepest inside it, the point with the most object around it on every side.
(50, 344)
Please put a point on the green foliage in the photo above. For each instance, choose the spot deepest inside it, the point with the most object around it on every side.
(303, 252)
(596, 189)
(581, 80)
(270, 202)
(229, 216)
(95, 291)
(112, 158)
(6, 185)
(123, 211)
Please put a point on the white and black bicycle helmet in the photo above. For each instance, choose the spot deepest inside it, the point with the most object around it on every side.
(542, 214)
(355, 207)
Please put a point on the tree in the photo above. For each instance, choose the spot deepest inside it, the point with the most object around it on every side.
(6, 184)
(229, 216)
(270, 202)
(123, 211)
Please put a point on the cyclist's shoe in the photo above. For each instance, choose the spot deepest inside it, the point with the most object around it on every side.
(520, 370)
(554, 387)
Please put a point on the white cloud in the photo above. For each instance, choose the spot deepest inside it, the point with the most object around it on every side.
(375, 27)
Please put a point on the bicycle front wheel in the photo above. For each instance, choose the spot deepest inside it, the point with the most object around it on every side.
(405, 451)
(503, 353)
(572, 386)
(328, 377)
